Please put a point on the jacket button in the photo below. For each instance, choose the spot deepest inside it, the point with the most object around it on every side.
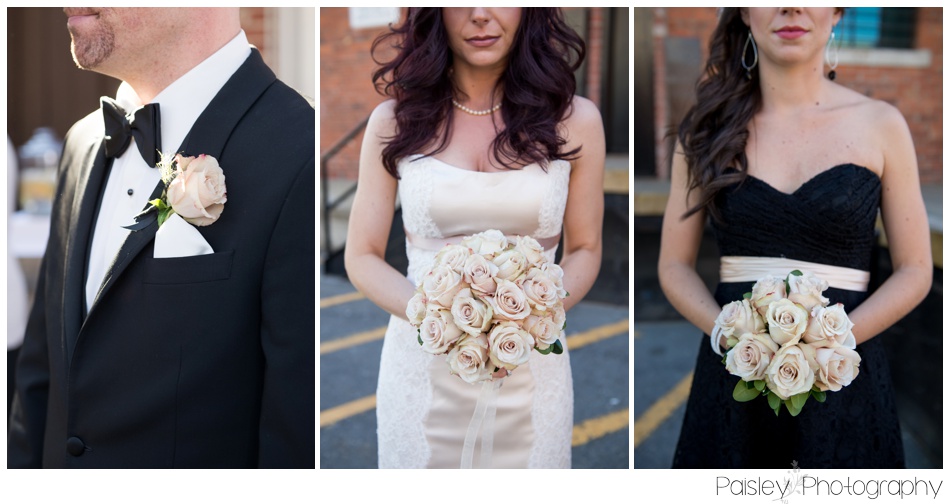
(75, 446)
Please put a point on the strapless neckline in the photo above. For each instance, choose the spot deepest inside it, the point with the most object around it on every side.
(451, 167)
(817, 177)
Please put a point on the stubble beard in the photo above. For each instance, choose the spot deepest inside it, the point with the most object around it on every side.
(91, 49)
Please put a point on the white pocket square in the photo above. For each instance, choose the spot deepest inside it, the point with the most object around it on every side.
(177, 238)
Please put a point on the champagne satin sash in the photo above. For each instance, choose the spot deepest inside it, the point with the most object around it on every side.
(437, 243)
(733, 269)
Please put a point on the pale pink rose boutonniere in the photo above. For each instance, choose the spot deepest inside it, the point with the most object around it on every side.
(194, 189)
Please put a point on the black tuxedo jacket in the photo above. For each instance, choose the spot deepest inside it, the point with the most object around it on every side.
(204, 361)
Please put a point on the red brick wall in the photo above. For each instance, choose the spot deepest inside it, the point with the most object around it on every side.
(347, 95)
(252, 22)
(917, 93)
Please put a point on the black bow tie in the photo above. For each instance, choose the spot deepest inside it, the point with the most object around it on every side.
(121, 127)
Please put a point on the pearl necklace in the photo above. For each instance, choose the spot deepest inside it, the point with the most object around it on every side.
(465, 109)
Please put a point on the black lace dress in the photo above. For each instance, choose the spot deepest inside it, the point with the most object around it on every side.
(829, 220)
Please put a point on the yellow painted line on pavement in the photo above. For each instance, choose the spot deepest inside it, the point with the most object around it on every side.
(596, 334)
(340, 299)
(596, 428)
(352, 340)
(661, 410)
(344, 411)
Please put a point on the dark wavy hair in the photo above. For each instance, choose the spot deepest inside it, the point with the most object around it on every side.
(538, 85)
(714, 132)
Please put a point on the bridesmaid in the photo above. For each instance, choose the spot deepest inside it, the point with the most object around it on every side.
(771, 134)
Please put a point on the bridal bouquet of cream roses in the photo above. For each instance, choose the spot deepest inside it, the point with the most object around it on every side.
(787, 342)
(487, 303)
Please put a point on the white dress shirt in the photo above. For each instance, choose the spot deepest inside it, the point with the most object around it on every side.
(180, 104)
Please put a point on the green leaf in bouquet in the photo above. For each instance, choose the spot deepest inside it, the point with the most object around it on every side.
(775, 402)
(419, 336)
(546, 351)
(743, 393)
(558, 349)
(747, 295)
(799, 399)
(819, 395)
(759, 385)
(796, 273)
(795, 403)
(791, 407)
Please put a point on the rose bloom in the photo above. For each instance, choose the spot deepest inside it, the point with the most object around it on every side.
(792, 371)
(467, 359)
(540, 290)
(557, 275)
(829, 326)
(509, 302)
(787, 322)
(441, 285)
(509, 345)
(416, 309)
(837, 367)
(198, 193)
(532, 250)
(511, 264)
(488, 242)
(806, 290)
(751, 356)
(480, 273)
(767, 290)
(559, 315)
(738, 317)
(471, 315)
(453, 256)
(438, 332)
(544, 330)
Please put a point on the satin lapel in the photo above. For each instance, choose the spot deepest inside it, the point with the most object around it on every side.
(89, 185)
(208, 136)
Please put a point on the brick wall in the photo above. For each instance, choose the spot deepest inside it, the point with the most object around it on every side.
(916, 92)
(347, 95)
(252, 22)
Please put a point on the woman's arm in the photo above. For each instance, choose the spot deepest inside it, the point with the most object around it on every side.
(584, 213)
(907, 229)
(679, 246)
(371, 218)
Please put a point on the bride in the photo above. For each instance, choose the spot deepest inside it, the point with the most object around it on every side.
(483, 131)
(792, 166)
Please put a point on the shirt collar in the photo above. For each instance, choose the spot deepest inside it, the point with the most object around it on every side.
(184, 100)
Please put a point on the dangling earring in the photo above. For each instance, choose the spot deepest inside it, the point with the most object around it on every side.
(755, 56)
(828, 57)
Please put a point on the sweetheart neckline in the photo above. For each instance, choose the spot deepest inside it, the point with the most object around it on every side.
(416, 157)
(815, 177)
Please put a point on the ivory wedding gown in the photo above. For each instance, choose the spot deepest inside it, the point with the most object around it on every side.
(422, 411)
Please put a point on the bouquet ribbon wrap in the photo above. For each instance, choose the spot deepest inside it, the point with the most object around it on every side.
(735, 269)
(483, 420)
